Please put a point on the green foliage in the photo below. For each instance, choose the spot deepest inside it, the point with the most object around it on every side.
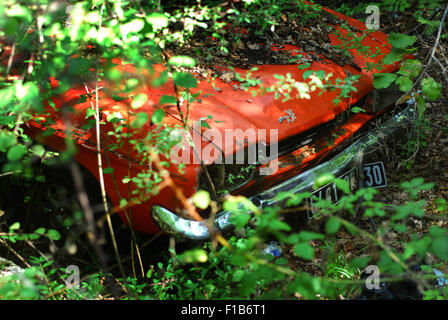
(14, 235)
(102, 32)
(431, 88)
(257, 275)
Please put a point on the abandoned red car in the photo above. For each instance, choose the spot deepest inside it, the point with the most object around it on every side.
(300, 138)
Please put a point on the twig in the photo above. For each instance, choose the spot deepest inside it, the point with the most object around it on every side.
(415, 151)
(431, 56)
(100, 167)
(2, 241)
(9, 173)
(11, 57)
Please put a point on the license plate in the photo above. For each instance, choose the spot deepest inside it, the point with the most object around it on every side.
(374, 176)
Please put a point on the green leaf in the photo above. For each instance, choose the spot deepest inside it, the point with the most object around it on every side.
(401, 41)
(157, 116)
(182, 61)
(433, 24)
(53, 235)
(134, 26)
(320, 74)
(7, 139)
(332, 225)
(123, 203)
(201, 199)
(307, 73)
(278, 225)
(157, 20)
(237, 260)
(15, 226)
(296, 199)
(393, 56)
(32, 236)
(38, 150)
(304, 66)
(410, 68)
(116, 97)
(40, 231)
(184, 80)
(10, 26)
(304, 250)
(248, 284)
(357, 110)
(205, 124)
(405, 83)
(165, 99)
(49, 132)
(7, 96)
(308, 235)
(383, 80)
(139, 101)
(323, 180)
(343, 185)
(431, 88)
(399, 227)
(194, 256)
(360, 262)
(240, 220)
(108, 170)
(421, 105)
(27, 92)
(439, 246)
(16, 152)
(140, 120)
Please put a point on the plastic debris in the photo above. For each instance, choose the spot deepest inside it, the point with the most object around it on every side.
(9, 268)
(441, 281)
(273, 248)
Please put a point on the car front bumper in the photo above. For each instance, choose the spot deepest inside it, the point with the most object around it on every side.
(172, 223)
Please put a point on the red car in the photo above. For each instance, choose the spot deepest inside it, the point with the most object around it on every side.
(310, 136)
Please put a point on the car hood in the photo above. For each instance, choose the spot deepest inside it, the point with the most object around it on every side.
(224, 105)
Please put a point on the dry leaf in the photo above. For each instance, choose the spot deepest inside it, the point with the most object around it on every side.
(227, 76)
(254, 46)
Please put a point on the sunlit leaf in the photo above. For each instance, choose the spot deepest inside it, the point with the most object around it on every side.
(201, 199)
(182, 61)
(139, 101)
(157, 20)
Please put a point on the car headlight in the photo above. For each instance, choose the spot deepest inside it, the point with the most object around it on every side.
(380, 99)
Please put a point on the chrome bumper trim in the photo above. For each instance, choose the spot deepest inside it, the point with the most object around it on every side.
(172, 223)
